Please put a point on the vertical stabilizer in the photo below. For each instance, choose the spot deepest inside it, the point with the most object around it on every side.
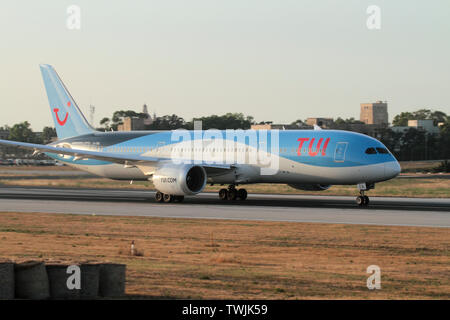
(68, 119)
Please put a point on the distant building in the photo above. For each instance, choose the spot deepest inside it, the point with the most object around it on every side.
(321, 122)
(265, 126)
(148, 120)
(374, 113)
(425, 125)
(136, 123)
(131, 123)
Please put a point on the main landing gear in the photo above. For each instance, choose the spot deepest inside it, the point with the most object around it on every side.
(232, 193)
(167, 198)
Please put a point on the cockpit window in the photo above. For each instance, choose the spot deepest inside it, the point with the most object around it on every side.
(382, 150)
(371, 151)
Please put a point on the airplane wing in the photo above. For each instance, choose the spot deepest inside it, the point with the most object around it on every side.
(125, 159)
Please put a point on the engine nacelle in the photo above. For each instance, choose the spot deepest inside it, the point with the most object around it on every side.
(180, 180)
(309, 187)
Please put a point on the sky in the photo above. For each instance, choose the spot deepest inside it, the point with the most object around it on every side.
(274, 60)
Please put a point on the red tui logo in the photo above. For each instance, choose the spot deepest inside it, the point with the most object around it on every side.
(61, 122)
(311, 152)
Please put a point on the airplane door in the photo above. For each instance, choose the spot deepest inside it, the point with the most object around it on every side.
(339, 153)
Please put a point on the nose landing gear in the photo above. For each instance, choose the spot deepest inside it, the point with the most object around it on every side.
(362, 200)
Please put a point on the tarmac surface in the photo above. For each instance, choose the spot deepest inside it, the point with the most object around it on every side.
(261, 207)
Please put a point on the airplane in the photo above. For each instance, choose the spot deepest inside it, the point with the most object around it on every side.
(303, 159)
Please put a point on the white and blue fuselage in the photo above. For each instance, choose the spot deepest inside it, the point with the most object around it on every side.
(344, 160)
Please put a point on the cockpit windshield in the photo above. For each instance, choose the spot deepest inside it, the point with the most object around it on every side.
(371, 151)
(382, 150)
(377, 150)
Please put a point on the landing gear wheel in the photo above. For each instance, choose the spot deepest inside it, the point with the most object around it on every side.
(223, 193)
(366, 200)
(360, 201)
(232, 194)
(159, 197)
(168, 198)
(242, 194)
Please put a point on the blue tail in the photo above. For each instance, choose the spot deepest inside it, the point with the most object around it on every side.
(68, 119)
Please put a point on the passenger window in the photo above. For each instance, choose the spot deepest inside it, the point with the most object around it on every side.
(371, 151)
(382, 150)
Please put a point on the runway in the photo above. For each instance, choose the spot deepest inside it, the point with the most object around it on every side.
(261, 207)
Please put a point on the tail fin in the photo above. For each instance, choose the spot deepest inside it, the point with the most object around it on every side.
(68, 119)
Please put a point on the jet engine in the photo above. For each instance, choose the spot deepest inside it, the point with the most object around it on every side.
(180, 180)
(309, 187)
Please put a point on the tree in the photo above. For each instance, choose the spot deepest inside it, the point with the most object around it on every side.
(444, 141)
(401, 120)
(421, 114)
(298, 123)
(23, 133)
(47, 135)
(226, 121)
(417, 144)
(439, 116)
(413, 144)
(340, 121)
(391, 139)
(168, 122)
(105, 122)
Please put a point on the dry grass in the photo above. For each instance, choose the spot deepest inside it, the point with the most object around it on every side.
(408, 166)
(215, 259)
(405, 187)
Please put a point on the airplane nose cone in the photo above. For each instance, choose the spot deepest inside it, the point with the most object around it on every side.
(391, 169)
